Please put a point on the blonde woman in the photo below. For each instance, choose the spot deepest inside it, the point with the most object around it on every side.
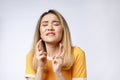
(52, 56)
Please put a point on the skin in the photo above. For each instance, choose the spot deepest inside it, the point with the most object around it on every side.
(51, 33)
(51, 29)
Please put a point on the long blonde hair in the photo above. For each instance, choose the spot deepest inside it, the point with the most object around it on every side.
(66, 40)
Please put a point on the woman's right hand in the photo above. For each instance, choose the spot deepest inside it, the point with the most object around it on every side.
(40, 55)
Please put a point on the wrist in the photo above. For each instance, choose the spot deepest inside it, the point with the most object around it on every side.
(58, 74)
(40, 69)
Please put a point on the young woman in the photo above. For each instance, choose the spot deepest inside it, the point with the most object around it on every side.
(52, 56)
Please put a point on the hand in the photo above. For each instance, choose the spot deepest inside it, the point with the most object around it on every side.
(40, 55)
(58, 60)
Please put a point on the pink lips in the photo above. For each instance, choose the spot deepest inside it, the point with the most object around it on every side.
(50, 34)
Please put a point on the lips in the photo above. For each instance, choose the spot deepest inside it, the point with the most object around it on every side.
(50, 34)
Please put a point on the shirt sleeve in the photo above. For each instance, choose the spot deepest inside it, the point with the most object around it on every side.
(29, 72)
(79, 66)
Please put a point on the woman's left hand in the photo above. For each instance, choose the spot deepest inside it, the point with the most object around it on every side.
(58, 60)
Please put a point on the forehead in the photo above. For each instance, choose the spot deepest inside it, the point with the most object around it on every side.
(49, 16)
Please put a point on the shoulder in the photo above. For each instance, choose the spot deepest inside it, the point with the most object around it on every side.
(79, 65)
(29, 55)
(77, 51)
(29, 72)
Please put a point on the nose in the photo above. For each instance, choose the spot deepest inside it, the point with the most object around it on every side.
(50, 27)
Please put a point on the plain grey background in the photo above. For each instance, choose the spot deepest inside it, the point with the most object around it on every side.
(94, 26)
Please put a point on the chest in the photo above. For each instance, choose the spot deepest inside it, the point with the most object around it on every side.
(50, 75)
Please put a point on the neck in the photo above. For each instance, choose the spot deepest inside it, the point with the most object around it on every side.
(52, 49)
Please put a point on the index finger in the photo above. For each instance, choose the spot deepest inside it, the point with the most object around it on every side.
(39, 45)
(61, 50)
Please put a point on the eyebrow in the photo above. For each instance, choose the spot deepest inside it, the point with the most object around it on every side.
(55, 21)
(44, 21)
(52, 21)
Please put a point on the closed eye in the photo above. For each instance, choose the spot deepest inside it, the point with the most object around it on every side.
(56, 23)
(44, 23)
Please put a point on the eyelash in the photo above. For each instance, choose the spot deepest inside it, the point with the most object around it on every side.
(55, 24)
(44, 24)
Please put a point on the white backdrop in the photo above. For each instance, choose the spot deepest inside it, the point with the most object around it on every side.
(94, 26)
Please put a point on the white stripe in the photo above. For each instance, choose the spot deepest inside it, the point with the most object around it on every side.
(79, 78)
(49, 58)
(33, 76)
(29, 75)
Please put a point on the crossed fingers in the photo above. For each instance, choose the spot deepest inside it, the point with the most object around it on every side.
(40, 55)
(60, 56)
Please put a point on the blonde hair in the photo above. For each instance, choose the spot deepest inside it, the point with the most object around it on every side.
(66, 40)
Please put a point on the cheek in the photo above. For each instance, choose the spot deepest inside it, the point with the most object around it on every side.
(42, 32)
(60, 33)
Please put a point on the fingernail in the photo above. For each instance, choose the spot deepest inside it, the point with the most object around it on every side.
(45, 54)
(54, 57)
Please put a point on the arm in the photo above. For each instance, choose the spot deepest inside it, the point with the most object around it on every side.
(41, 58)
(60, 76)
(79, 66)
(38, 75)
(41, 61)
(57, 63)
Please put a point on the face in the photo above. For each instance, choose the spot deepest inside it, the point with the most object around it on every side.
(51, 29)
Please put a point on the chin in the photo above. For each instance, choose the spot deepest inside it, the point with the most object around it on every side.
(52, 41)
